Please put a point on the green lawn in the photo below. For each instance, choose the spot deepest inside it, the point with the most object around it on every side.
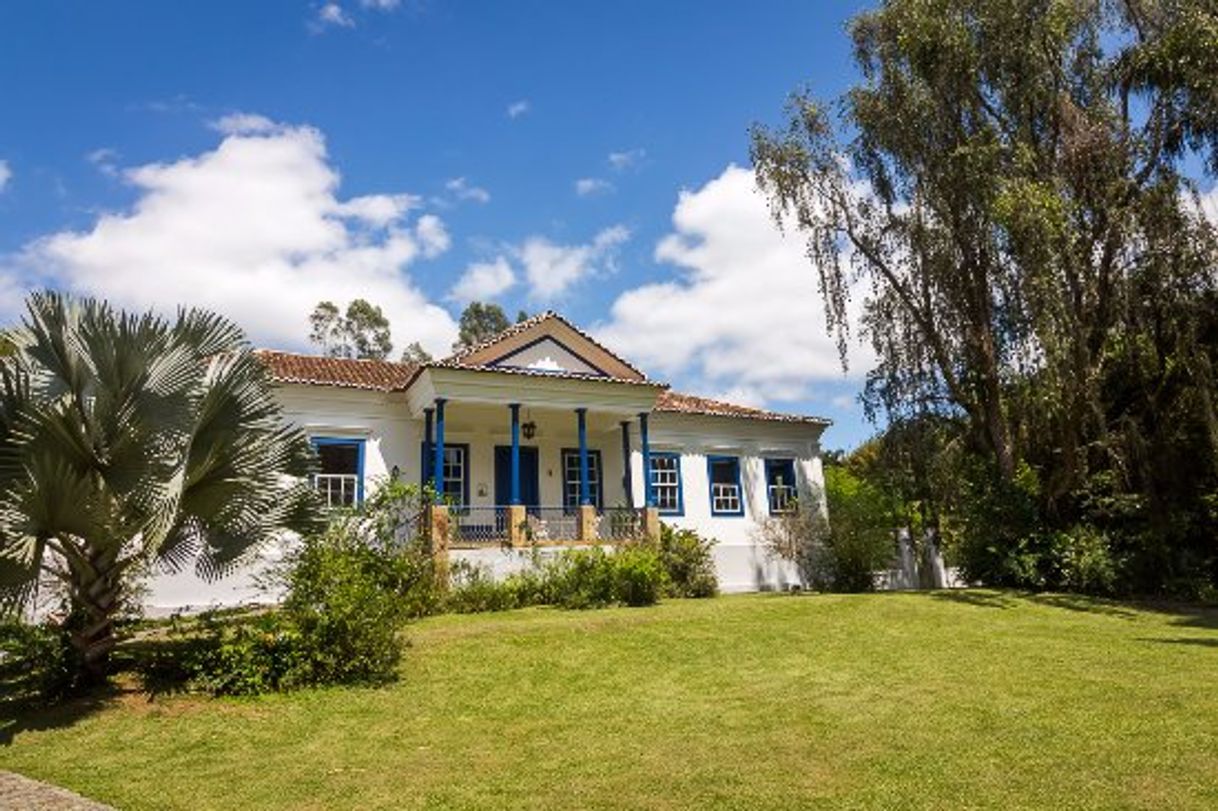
(976, 699)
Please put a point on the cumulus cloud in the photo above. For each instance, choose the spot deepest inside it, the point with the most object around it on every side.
(626, 159)
(6, 174)
(484, 280)
(589, 186)
(432, 235)
(243, 124)
(460, 188)
(332, 15)
(551, 269)
(253, 229)
(742, 311)
(518, 108)
(381, 5)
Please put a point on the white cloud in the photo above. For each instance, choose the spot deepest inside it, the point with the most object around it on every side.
(462, 190)
(743, 311)
(106, 161)
(518, 108)
(332, 14)
(6, 174)
(588, 186)
(381, 5)
(243, 124)
(432, 235)
(551, 269)
(255, 230)
(484, 280)
(626, 159)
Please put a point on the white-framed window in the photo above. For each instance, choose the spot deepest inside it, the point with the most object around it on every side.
(570, 477)
(666, 483)
(456, 474)
(340, 480)
(725, 495)
(780, 485)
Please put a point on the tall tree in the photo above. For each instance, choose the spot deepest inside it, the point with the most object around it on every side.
(480, 322)
(361, 332)
(128, 440)
(1005, 183)
(415, 353)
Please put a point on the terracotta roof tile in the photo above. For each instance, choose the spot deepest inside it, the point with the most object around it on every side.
(677, 403)
(377, 375)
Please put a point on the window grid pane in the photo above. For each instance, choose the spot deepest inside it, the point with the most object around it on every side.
(571, 467)
(454, 473)
(780, 484)
(666, 482)
(725, 486)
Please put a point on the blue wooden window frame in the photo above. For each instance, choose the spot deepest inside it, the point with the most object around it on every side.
(318, 441)
(464, 446)
(597, 485)
(676, 458)
(773, 468)
(711, 461)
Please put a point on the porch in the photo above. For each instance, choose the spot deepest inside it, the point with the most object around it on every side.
(514, 460)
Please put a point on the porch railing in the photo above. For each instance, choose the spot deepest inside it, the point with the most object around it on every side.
(337, 489)
(782, 498)
(478, 526)
(542, 524)
(620, 524)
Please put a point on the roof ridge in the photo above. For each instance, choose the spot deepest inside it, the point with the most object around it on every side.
(268, 350)
(520, 326)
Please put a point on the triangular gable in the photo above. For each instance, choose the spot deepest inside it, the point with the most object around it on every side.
(548, 343)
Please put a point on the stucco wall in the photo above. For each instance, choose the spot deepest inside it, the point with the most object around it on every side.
(394, 439)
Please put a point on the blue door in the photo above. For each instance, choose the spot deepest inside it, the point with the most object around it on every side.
(530, 495)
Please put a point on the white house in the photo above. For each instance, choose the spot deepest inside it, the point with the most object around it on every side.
(545, 424)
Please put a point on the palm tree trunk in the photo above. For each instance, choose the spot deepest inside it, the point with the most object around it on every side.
(96, 589)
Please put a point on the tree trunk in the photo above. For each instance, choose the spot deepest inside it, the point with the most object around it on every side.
(97, 586)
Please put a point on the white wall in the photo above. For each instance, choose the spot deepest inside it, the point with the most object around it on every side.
(392, 438)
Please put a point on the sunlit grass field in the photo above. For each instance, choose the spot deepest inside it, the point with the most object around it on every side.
(943, 700)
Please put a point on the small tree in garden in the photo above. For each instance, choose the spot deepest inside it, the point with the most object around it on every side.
(842, 552)
(128, 440)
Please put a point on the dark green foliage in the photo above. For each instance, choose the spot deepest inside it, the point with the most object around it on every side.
(480, 322)
(632, 575)
(844, 552)
(37, 662)
(1014, 185)
(362, 332)
(688, 563)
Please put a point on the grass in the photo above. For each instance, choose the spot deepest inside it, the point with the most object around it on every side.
(974, 699)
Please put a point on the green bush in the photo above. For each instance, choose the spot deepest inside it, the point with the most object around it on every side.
(688, 563)
(36, 661)
(639, 575)
(1084, 563)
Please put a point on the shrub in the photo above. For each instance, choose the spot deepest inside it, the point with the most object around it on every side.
(843, 552)
(688, 563)
(1084, 562)
(639, 575)
(36, 661)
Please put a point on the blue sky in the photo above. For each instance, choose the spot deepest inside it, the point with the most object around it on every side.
(254, 156)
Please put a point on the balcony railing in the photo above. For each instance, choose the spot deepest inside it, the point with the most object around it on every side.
(620, 524)
(478, 526)
(337, 489)
(551, 524)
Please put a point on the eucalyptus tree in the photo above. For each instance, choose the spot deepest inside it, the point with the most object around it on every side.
(361, 332)
(1005, 184)
(132, 440)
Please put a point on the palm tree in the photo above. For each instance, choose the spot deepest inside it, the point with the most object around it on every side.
(131, 440)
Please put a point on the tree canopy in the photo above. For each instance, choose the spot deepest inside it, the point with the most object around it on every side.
(361, 332)
(1006, 186)
(129, 440)
(480, 322)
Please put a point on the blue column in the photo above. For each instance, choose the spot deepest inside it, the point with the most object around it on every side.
(585, 491)
(649, 498)
(437, 468)
(427, 450)
(515, 408)
(627, 483)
